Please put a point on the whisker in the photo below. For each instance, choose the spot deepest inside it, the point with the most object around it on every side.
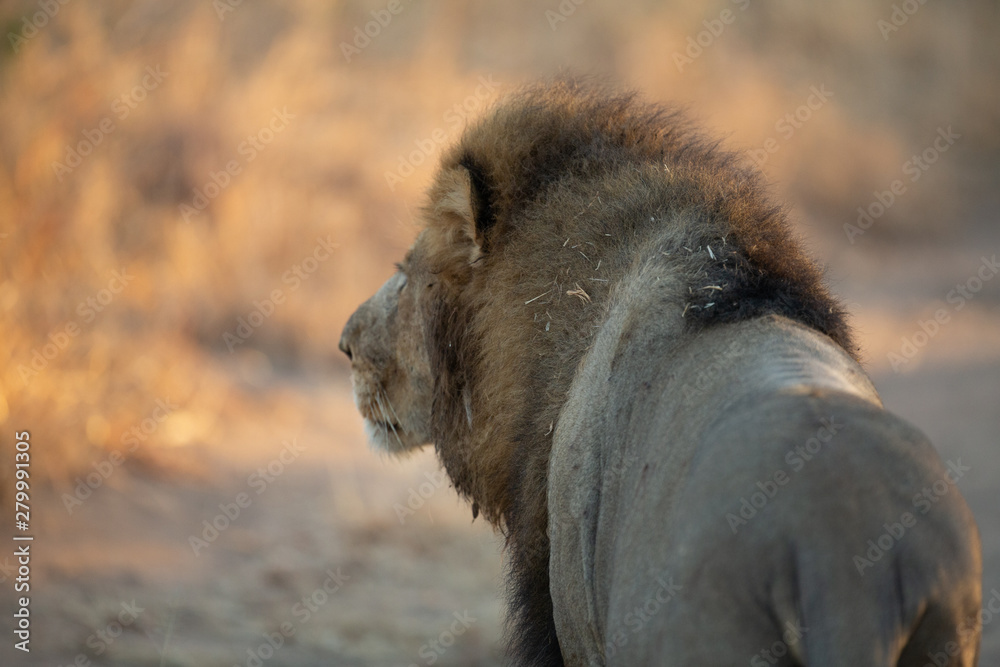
(380, 416)
(381, 394)
(388, 402)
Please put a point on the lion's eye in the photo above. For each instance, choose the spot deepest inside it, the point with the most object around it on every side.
(402, 285)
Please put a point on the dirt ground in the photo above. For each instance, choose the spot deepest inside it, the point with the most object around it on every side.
(323, 530)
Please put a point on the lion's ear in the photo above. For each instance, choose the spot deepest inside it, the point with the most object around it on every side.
(466, 194)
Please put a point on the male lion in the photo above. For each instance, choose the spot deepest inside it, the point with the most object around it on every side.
(629, 366)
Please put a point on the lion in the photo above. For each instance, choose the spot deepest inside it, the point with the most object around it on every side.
(630, 367)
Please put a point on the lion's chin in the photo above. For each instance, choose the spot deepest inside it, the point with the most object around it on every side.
(390, 438)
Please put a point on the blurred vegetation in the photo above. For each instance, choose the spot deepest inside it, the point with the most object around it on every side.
(64, 232)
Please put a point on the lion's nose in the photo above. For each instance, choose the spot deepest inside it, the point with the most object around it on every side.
(349, 336)
(345, 347)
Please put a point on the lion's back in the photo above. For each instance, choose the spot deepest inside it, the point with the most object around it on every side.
(752, 515)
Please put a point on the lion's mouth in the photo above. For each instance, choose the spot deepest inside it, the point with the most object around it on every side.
(389, 426)
(377, 420)
(388, 435)
(373, 408)
(382, 425)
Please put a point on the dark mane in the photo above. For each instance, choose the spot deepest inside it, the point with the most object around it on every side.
(567, 177)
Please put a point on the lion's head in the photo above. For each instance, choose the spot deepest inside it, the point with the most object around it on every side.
(395, 339)
(409, 345)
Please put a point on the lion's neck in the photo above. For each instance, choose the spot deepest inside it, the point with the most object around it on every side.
(528, 333)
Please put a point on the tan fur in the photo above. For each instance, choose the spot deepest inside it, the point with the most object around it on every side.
(579, 250)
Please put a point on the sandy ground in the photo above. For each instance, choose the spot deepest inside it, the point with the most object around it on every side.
(323, 559)
(318, 546)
